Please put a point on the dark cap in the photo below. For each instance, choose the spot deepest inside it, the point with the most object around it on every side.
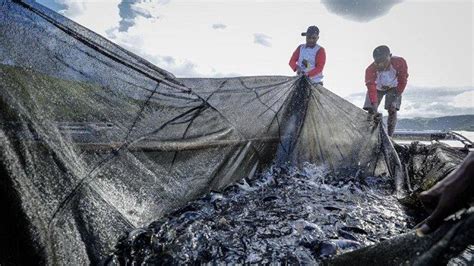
(381, 52)
(312, 30)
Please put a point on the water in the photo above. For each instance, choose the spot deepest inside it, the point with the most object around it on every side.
(286, 215)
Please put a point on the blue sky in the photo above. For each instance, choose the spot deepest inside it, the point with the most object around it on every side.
(198, 38)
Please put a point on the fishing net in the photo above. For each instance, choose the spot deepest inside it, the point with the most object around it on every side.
(96, 141)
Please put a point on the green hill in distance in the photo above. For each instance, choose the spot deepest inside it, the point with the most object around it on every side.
(445, 123)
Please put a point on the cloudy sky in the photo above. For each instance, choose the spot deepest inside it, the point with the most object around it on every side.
(256, 37)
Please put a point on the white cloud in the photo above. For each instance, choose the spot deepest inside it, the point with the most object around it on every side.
(98, 16)
(178, 66)
(130, 10)
(73, 8)
(463, 100)
(184, 32)
(218, 26)
(262, 39)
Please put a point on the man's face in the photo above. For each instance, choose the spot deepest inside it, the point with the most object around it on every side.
(382, 63)
(311, 40)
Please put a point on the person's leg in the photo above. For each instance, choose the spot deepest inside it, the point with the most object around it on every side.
(392, 105)
(391, 120)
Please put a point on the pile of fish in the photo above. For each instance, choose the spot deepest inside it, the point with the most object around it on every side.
(286, 215)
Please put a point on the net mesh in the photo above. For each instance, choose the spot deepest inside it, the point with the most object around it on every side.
(98, 141)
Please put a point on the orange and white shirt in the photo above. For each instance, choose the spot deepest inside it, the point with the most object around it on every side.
(315, 58)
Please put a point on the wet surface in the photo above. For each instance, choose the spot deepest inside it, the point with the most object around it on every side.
(465, 258)
(285, 215)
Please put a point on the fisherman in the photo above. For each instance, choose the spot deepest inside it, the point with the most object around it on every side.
(309, 59)
(448, 196)
(386, 76)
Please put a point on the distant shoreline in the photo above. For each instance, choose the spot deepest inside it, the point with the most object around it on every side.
(444, 123)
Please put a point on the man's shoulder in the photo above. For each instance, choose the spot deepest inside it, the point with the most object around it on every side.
(399, 63)
(397, 59)
(371, 67)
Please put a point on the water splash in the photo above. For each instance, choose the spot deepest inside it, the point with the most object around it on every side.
(286, 215)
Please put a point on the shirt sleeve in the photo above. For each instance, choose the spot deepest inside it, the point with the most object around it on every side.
(401, 67)
(320, 62)
(294, 59)
(370, 78)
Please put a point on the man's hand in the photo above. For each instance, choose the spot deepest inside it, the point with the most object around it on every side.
(305, 63)
(448, 196)
(299, 70)
(372, 109)
(374, 117)
(377, 117)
